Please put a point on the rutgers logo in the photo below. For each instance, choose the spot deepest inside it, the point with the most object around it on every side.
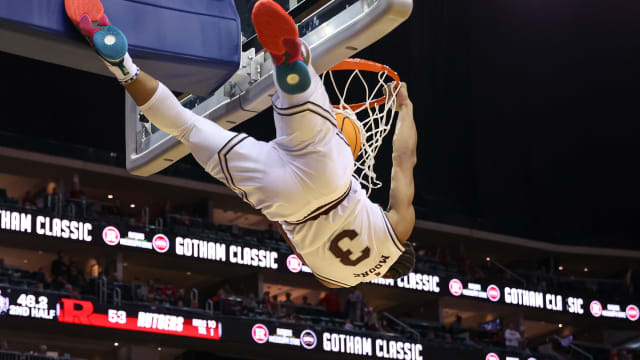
(260, 333)
(308, 339)
(160, 243)
(111, 236)
(596, 308)
(455, 287)
(632, 312)
(294, 264)
(492, 356)
(493, 292)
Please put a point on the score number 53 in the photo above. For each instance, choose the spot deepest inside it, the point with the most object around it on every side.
(117, 316)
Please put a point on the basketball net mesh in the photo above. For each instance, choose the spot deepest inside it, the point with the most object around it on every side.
(373, 117)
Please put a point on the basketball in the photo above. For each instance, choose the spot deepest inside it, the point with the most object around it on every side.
(351, 132)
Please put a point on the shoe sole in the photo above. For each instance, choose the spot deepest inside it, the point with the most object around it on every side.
(108, 41)
(76, 8)
(273, 25)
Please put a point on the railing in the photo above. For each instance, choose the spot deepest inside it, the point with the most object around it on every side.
(572, 348)
(403, 325)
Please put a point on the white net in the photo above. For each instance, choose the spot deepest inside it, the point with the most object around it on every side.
(373, 114)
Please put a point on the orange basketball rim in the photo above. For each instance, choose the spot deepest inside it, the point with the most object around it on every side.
(366, 65)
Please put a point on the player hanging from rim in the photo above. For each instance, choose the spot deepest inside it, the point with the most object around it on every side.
(303, 178)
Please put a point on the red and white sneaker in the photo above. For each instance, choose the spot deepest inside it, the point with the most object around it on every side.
(278, 33)
(89, 18)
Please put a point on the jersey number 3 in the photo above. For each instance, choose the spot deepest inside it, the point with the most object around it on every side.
(345, 255)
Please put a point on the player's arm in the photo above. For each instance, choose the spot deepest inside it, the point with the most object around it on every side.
(286, 238)
(400, 212)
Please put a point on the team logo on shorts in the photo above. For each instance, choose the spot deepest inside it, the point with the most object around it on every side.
(4, 304)
(492, 356)
(632, 312)
(260, 333)
(493, 292)
(111, 236)
(294, 264)
(160, 243)
(455, 287)
(596, 308)
(308, 339)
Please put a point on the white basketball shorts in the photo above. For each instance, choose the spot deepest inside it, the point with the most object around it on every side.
(307, 166)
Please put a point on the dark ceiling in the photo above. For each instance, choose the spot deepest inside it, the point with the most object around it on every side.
(527, 112)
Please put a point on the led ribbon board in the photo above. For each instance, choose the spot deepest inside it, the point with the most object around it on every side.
(81, 312)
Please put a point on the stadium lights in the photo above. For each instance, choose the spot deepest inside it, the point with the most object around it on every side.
(189, 273)
(586, 269)
(132, 206)
(159, 348)
(560, 267)
(110, 196)
(116, 344)
(488, 259)
(560, 326)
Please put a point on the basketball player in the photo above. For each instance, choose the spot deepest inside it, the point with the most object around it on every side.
(303, 178)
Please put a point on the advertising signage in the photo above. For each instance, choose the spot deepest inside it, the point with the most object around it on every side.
(63, 310)
(45, 226)
(82, 312)
(60, 309)
(221, 252)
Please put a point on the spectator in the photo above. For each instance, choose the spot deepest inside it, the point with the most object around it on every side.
(288, 299)
(354, 306)
(50, 197)
(632, 280)
(348, 325)
(182, 296)
(266, 301)
(59, 266)
(27, 200)
(169, 291)
(219, 300)
(250, 302)
(512, 336)
(42, 350)
(331, 303)
(371, 319)
(305, 301)
(1, 263)
(4, 345)
(143, 290)
(275, 306)
(76, 192)
(456, 326)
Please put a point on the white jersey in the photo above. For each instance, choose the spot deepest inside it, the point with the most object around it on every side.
(301, 179)
(350, 242)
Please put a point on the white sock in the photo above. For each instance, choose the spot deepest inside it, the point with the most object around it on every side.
(126, 71)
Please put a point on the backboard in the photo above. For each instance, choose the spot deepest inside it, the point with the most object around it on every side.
(333, 29)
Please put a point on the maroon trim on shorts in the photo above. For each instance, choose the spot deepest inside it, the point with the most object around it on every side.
(323, 209)
(224, 166)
